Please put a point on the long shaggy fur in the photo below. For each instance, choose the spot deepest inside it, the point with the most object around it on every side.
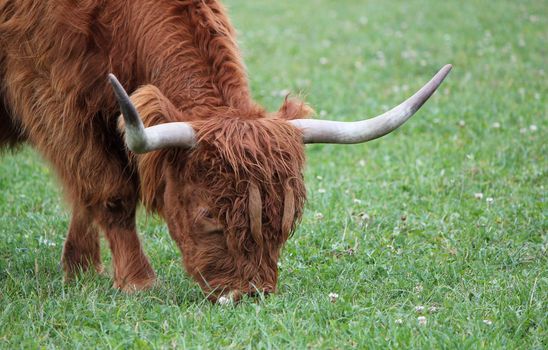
(181, 61)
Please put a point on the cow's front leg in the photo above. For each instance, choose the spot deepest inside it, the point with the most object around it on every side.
(131, 268)
(81, 249)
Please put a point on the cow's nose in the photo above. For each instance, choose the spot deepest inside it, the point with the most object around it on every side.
(255, 293)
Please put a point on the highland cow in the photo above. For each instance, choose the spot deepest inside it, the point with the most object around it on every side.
(192, 146)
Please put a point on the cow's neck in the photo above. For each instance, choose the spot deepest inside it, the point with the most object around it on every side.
(193, 58)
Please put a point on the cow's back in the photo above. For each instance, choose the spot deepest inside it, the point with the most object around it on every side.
(55, 60)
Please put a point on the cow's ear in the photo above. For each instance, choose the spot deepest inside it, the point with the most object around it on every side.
(294, 108)
(153, 107)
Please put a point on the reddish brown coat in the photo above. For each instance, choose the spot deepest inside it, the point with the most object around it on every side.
(181, 61)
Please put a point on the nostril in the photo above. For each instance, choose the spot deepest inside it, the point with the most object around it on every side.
(253, 294)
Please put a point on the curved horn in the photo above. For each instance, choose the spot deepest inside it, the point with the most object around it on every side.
(143, 140)
(326, 131)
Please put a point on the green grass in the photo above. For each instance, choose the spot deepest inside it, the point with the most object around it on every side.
(404, 204)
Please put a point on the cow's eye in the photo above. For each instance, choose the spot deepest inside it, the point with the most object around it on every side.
(207, 222)
(205, 213)
(212, 227)
(218, 232)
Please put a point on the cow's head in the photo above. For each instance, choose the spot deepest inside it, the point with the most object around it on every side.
(233, 185)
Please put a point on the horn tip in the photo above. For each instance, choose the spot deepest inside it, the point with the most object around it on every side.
(442, 74)
(119, 90)
(447, 68)
(112, 79)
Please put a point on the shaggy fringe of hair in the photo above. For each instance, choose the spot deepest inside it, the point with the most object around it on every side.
(236, 153)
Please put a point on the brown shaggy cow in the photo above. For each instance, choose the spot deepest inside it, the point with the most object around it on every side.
(224, 174)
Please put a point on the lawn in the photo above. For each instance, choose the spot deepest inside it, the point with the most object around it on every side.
(433, 237)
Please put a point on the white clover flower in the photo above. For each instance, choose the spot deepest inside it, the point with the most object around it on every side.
(496, 125)
(489, 200)
(433, 309)
(462, 123)
(224, 301)
(488, 322)
(422, 320)
(321, 190)
(419, 288)
(533, 127)
(419, 308)
(523, 130)
(333, 297)
(318, 216)
(323, 61)
(398, 321)
(46, 242)
(478, 195)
